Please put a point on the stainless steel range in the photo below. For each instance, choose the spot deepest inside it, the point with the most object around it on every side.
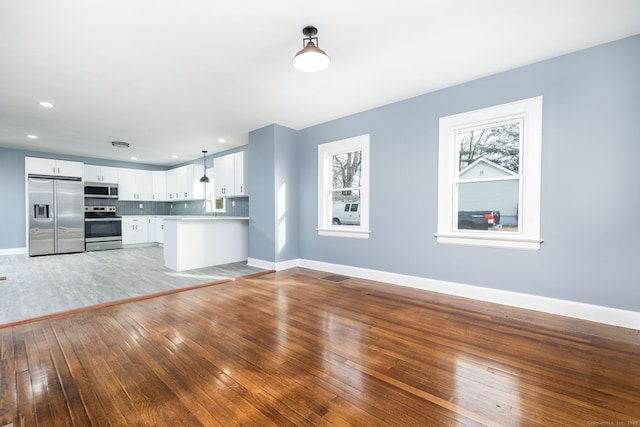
(102, 228)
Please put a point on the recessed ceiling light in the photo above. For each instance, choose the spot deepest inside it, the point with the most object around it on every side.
(32, 136)
(220, 140)
(134, 158)
(46, 104)
(173, 156)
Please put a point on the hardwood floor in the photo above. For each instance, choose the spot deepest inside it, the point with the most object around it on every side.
(291, 349)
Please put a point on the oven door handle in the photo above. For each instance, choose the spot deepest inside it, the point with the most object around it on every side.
(103, 219)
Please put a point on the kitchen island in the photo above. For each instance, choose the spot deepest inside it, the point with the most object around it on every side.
(202, 241)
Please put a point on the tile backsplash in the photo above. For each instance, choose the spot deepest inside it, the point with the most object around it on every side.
(236, 206)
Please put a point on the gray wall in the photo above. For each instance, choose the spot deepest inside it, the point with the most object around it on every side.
(273, 194)
(589, 182)
(286, 186)
(12, 217)
(262, 194)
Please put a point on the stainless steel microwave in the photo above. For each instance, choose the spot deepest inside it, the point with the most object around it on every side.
(100, 191)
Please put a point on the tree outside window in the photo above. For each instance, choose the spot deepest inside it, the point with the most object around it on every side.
(488, 179)
(343, 207)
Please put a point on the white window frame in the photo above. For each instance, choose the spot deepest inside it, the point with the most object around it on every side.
(325, 170)
(528, 234)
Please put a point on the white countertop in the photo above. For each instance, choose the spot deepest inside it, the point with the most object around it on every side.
(202, 217)
(187, 217)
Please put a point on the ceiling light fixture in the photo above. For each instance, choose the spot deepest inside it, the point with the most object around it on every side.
(120, 144)
(46, 104)
(204, 162)
(32, 136)
(311, 58)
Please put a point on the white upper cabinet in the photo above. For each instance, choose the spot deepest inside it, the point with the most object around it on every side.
(144, 184)
(193, 189)
(183, 183)
(172, 184)
(223, 167)
(159, 184)
(53, 167)
(230, 175)
(106, 174)
(240, 174)
(135, 184)
(127, 184)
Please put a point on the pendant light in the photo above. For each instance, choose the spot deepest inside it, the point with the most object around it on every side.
(204, 178)
(311, 58)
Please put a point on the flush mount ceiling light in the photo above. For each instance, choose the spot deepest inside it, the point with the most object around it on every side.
(46, 104)
(120, 144)
(311, 58)
(204, 162)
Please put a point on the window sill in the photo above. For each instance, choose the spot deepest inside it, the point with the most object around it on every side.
(508, 242)
(339, 232)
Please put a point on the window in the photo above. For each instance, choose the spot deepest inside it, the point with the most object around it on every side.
(343, 188)
(489, 176)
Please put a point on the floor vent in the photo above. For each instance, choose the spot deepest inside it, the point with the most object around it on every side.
(335, 278)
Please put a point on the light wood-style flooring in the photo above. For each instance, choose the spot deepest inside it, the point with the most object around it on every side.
(37, 286)
(293, 349)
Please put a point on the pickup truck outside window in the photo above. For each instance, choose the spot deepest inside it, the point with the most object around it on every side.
(485, 198)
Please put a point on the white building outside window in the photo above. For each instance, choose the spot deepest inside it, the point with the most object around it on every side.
(489, 176)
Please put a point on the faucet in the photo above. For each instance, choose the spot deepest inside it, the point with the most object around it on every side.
(205, 207)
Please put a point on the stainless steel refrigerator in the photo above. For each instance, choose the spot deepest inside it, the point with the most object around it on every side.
(56, 219)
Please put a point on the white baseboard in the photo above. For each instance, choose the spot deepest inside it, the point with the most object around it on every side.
(268, 265)
(578, 310)
(258, 263)
(13, 251)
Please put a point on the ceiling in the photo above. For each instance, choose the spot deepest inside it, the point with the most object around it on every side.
(173, 78)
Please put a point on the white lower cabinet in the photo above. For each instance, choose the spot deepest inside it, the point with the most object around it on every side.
(142, 230)
(135, 230)
(157, 224)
